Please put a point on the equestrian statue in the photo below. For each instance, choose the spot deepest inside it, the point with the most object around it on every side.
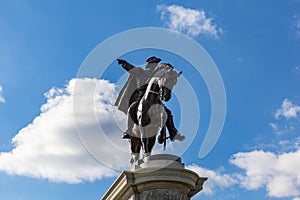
(141, 100)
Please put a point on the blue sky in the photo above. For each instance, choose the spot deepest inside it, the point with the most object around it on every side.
(255, 45)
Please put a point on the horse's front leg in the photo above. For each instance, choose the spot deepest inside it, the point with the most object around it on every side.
(134, 159)
(135, 152)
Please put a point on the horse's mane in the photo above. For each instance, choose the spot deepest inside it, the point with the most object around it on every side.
(160, 67)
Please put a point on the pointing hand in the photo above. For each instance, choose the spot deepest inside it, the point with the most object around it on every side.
(121, 62)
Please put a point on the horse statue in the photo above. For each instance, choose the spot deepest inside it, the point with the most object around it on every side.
(151, 117)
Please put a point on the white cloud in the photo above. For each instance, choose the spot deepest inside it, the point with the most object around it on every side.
(278, 173)
(275, 128)
(287, 119)
(215, 179)
(193, 22)
(51, 147)
(290, 144)
(282, 128)
(288, 110)
(2, 100)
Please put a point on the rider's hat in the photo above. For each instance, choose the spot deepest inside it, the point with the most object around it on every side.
(153, 59)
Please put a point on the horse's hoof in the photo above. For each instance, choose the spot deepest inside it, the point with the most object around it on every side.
(146, 157)
(135, 167)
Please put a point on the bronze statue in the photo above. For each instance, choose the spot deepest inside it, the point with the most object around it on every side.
(141, 99)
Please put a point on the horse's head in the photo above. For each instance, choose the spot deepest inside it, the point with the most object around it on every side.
(166, 79)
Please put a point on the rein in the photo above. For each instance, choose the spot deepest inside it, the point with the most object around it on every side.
(152, 91)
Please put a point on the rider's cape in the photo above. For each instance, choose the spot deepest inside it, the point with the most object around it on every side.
(129, 91)
(125, 94)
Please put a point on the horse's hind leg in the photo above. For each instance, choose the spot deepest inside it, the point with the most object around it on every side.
(145, 143)
(148, 148)
(151, 143)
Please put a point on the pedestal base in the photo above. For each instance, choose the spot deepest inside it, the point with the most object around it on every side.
(163, 177)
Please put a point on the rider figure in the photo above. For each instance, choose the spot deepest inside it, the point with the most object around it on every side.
(134, 90)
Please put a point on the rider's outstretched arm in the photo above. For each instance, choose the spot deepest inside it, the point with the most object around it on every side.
(126, 65)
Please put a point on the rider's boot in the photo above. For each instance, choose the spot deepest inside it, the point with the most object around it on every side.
(126, 134)
(173, 132)
(132, 110)
(130, 124)
(178, 136)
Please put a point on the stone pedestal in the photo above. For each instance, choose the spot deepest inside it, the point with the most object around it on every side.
(162, 178)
